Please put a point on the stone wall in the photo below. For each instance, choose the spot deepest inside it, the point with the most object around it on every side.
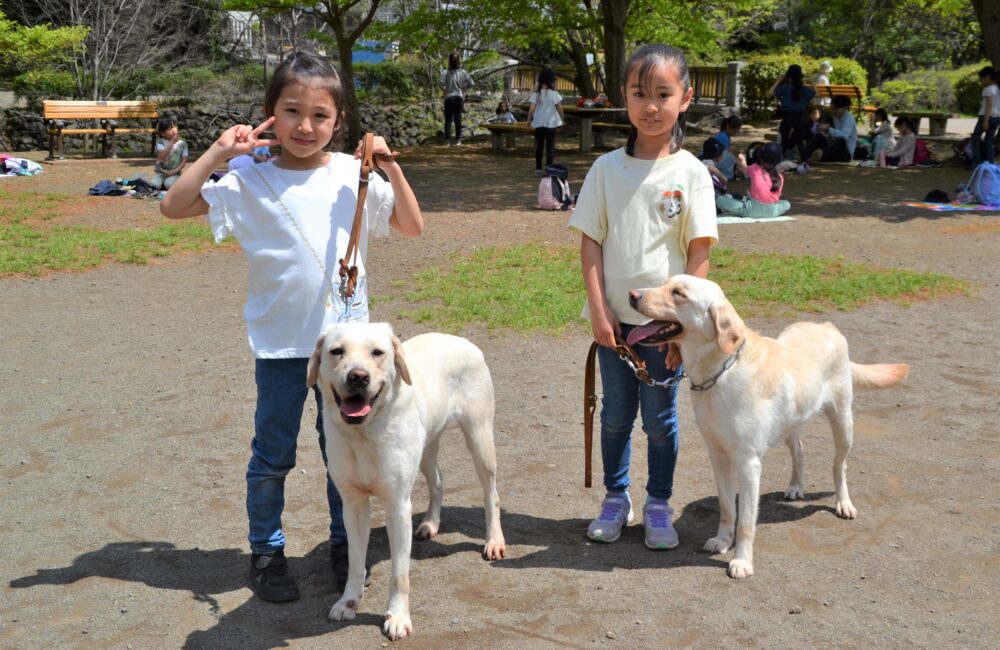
(406, 126)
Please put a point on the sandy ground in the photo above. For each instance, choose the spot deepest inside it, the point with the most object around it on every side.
(126, 404)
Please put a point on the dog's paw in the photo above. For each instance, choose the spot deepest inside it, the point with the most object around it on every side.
(718, 544)
(344, 609)
(793, 492)
(495, 550)
(740, 569)
(846, 510)
(426, 530)
(397, 627)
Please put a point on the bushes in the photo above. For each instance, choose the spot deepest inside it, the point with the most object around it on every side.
(45, 83)
(936, 90)
(760, 72)
(398, 81)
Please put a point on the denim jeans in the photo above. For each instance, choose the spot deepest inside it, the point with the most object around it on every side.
(624, 395)
(281, 397)
(982, 140)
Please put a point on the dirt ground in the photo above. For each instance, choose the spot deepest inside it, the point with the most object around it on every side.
(126, 405)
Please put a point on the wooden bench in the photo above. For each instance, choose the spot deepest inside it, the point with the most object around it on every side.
(850, 91)
(105, 113)
(504, 130)
(938, 121)
(600, 129)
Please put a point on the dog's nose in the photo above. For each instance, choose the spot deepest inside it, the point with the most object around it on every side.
(634, 296)
(358, 377)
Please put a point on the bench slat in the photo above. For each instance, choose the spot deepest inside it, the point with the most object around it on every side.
(74, 111)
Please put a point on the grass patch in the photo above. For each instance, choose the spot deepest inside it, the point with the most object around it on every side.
(536, 287)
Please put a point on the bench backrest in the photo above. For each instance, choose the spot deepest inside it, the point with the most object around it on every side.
(854, 92)
(81, 110)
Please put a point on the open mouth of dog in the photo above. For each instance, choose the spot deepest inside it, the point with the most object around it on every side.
(355, 408)
(656, 332)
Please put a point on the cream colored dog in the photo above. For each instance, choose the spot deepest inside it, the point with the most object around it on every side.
(385, 405)
(751, 392)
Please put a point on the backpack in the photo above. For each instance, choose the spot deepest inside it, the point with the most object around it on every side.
(921, 154)
(963, 150)
(984, 185)
(553, 189)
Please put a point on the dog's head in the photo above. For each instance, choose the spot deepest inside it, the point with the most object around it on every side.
(686, 308)
(356, 364)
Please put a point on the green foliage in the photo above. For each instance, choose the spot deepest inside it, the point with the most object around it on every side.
(45, 83)
(395, 81)
(33, 47)
(207, 84)
(932, 92)
(968, 90)
(760, 72)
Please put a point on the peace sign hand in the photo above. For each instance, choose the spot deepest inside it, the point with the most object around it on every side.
(243, 138)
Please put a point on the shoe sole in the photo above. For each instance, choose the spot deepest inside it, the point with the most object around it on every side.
(604, 540)
(661, 546)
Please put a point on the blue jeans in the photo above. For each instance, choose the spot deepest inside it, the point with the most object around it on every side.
(623, 397)
(982, 147)
(281, 396)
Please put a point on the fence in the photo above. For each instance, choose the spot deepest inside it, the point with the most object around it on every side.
(713, 85)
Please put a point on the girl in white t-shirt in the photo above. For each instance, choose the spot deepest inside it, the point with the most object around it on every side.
(292, 216)
(645, 213)
(988, 120)
(545, 116)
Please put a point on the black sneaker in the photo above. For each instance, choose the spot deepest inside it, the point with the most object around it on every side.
(340, 564)
(270, 580)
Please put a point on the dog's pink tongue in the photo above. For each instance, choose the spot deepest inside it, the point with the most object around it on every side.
(355, 408)
(642, 331)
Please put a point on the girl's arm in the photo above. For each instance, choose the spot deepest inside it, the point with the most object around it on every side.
(562, 115)
(184, 197)
(406, 216)
(774, 86)
(165, 151)
(531, 111)
(989, 107)
(603, 322)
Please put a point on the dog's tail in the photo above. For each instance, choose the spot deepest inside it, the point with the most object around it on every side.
(878, 375)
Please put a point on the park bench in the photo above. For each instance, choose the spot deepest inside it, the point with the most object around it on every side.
(852, 92)
(106, 113)
(506, 131)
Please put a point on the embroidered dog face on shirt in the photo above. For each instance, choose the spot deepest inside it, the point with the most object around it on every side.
(669, 205)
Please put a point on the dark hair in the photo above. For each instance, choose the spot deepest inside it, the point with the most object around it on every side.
(712, 149)
(305, 67)
(502, 102)
(768, 157)
(454, 63)
(546, 77)
(641, 63)
(164, 123)
(794, 75)
(826, 118)
(731, 122)
(989, 71)
(902, 119)
(881, 114)
(841, 101)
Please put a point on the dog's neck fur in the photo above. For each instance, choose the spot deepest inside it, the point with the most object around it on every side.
(703, 359)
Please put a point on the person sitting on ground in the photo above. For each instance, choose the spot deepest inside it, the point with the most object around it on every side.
(258, 155)
(766, 183)
(171, 154)
(835, 143)
(900, 155)
(882, 135)
(503, 116)
(815, 113)
(712, 153)
(730, 164)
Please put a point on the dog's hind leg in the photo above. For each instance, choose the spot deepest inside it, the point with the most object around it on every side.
(748, 474)
(431, 524)
(842, 422)
(725, 484)
(794, 490)
(479, 439)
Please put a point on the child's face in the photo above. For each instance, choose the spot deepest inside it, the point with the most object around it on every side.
(503, 107)
(305, 118)
(170, 133)
(904, 128)
(814, 115)
(654, 105)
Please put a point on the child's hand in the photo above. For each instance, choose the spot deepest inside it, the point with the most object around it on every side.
(243, 138)
(379, 148)
(742, 159)
(605, 327)
(673, 361)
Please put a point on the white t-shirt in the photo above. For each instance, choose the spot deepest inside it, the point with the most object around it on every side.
(644, 214)
(991, 91)
(286, 307)
(546, 115)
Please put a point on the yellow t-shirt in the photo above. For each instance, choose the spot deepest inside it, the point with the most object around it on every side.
(644, 213)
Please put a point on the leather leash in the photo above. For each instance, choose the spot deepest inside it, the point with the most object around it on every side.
(369, 163)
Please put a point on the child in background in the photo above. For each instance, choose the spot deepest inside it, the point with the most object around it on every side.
(882, 135)
(815, 113)
(645, 213)
(730, 164)
(766, 183)
(545, 116)
(258, 155)
(171, 154)
(503, 116)
(900, 155)
(989, 118)
(293, 221)
(712, 154)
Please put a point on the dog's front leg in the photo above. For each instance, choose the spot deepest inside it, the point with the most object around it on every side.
(725, 484)
(357, 522)
(399, 526)
(748, 474)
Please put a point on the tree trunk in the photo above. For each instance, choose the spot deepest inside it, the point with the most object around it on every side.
(578, 53)
(345, 49)
(988, 12)
(615, 15)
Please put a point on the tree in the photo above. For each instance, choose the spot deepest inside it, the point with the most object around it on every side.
(988, 12)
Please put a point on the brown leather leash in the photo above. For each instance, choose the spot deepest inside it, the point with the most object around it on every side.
(627, 354)
(369, 163)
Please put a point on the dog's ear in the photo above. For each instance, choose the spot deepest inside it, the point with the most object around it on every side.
(313, 372)
(729, 327)
(399, 361)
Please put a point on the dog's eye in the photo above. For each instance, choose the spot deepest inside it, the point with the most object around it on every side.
(677, 293)
(377, 353)
(337, 352)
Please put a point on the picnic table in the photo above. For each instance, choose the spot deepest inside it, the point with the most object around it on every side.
(595, 122)
(938, 120)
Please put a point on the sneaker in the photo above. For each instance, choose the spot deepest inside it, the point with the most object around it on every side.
(803, 168)
(616, 512)
(660, 533)
(458, 143)
(269, 578)
(815, 157)
(340, 564)
(539, 172)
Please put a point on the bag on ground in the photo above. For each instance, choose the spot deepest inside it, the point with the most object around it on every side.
(921, 154)
(983, 186)
(553, 189)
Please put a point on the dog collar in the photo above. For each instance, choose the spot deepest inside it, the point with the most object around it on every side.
(711, 381)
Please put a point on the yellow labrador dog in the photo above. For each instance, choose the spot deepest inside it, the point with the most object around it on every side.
(751, 392)
(385, 405)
